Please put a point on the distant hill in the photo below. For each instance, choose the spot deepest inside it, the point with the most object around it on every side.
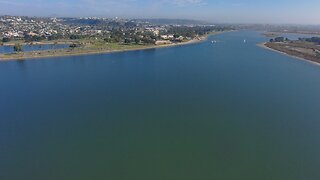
(174, 21)
(83, 21)
(151, 21)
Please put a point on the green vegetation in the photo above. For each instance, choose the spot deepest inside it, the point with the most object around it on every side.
(29, 38)
(279, 39)
(55, 37)
(74, 45)
(313, 40)
(131, 37)
(17, 48)
(192, 32)
(5, 39)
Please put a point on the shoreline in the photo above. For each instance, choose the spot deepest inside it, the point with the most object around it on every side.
(263, 45)
(94, 52)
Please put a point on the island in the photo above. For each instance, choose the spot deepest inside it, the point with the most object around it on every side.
(303, 48)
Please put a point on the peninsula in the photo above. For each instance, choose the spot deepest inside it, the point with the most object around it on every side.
(303, 48)
(87, 46)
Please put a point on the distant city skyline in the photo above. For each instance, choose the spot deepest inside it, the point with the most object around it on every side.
(216, 11)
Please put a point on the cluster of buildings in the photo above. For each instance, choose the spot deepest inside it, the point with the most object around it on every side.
(18, 27)
(121, 30)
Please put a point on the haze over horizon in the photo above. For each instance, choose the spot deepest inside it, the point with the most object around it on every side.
(227, 11)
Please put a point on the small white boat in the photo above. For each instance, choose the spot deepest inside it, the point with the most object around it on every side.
(213, 41)
(244, 41)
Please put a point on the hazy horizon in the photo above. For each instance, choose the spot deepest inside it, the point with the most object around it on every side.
(228, 11)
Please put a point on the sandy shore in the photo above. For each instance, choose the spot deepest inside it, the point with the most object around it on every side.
(66, 53)
(263, 45)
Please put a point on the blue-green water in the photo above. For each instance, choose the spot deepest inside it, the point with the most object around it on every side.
(229, 110)
(27, 48)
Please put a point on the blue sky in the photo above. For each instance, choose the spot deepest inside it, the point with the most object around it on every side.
(232, 11)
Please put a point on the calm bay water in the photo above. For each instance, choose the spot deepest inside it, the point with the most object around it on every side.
(229, 110)
(27, 48)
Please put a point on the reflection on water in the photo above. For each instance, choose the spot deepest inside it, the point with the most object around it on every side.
(27, 48)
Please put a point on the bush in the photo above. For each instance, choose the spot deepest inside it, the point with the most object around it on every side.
(74, 45)
(29, 38)
(55, 37)
(6, 39)
(279, 39)
(73, 36)
(17, 47)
